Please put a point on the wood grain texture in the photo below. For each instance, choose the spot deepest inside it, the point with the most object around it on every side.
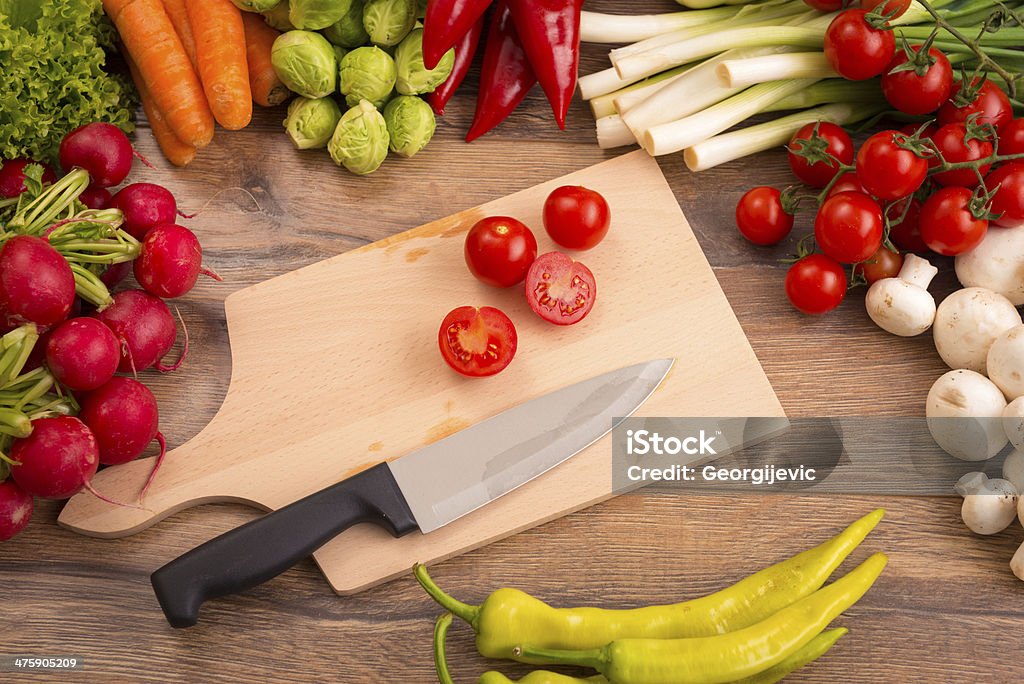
(947, 608)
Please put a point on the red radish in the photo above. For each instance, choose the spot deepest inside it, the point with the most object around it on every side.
(82, 353)
(170, 261)
(144, 205)
(115, 274)
(12, 176)
(15, 509)
(123, 416)
(36, 283)
(145, 327)
(57, 460)
(102, 149)
(95, 197)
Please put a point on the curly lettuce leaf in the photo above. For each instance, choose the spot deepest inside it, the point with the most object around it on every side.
(54, 54)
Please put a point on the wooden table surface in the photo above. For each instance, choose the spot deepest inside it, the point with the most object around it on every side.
(947, 608)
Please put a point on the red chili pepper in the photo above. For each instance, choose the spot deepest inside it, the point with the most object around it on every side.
(505, 77)
(464, 53)
(447, 21)
(550, 31)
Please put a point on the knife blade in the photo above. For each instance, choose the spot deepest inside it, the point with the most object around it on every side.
(423, 490)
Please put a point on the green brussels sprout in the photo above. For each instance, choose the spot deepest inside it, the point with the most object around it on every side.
(339, 53)
(410, 123)
(256, 5)
(278, 17)
(421, 9)
(389, 21)
(413, 77)
(348, 32)
(367, 73)
(317, 14)
(310, 123)
(304, 61)
(360, 142)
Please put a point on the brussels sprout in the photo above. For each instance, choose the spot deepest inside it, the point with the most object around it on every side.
(339, 53)
(413, 77)
(389, 21)
(256, 5)
(317, 14)
(310, 123)
(410, 123)
(367, 73)
(421, 9)
(360, 142)
(304, 61)
(278, 17)
(348, 32)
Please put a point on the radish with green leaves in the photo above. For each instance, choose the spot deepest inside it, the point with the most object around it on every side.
(145, 205)
(57, 460)
(82, 353)
(12, 176)
(170, 261)
(102, 149)
(36, 283)
(123, 416)
(15, 509)
(145, 327)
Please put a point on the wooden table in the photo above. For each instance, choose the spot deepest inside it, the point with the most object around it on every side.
(946, 609)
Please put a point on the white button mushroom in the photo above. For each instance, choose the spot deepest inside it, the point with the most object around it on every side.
(903, 305)
(967, 322)
(1013, 471)
(965, 415)
(1017, 563)
(1005, 362)
(1013, 422)
(989, 505)
(997, 264)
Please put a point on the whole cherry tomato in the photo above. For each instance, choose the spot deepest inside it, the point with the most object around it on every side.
(891, 8)
(884, 263)
(1011, 137)
(761, 217)
(918, 92)
(815, 284)
(948, 225)
(990, 102)
(499, 250)
(887, 170)
(856, 49)
(832, 141)
(905, 225)
(1008, 202)
(848, 182)
(849, 227)
(951, 141)
(576, 217)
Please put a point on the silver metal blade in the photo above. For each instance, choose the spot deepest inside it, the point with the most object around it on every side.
(456, 475)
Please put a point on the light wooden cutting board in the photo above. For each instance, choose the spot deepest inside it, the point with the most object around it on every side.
(335, 367)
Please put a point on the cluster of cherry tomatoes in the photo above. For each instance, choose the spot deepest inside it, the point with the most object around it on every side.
(501, 251)
(932, 186)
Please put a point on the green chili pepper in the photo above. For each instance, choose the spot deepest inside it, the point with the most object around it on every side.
(509, 617)
(444, 621)
(725, 657)
(815, 648)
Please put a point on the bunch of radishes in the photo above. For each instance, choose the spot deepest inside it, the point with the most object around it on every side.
(64, 242)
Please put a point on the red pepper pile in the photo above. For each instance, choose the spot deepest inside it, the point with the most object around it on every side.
(527, 41)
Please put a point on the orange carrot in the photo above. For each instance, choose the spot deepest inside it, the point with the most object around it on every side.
(148, 36)
(179, 17)
(177, 152)
(267, 89)
(220, 51)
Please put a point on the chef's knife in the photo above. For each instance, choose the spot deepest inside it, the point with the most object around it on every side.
(423, 490)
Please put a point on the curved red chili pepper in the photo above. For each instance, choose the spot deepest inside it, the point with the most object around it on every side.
(446, 22)
(506, 75)
(550, 32)
(464, 53)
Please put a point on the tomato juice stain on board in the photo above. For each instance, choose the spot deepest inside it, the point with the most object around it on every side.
(446, 428)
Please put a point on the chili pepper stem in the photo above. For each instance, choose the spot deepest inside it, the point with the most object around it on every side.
(594, 658)
(463, 611)
(444, 622)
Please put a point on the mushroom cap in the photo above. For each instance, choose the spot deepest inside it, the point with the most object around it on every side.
(1013, 422)
(1005, 362)
(965, 415)
(967, 322)
(991, 512)
(900, 307)
(1013, 472)
(1017, 563)
(997, 264)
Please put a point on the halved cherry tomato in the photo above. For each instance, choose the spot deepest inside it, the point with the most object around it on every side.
(815, 284)
(559, 289)
(1009, 198)
(849, 227)
(884, 263)
(951, 141)
(990, 102)
(914, 93)
(891, 8)
(907, 233)
(887, 170)
(856, 49)
(477, 342)
(761, 217)
(947, 224)
(499, 250)
(837, 144)
(576, 217)
(1011, 137)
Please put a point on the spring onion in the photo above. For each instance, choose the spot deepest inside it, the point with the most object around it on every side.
(740, 73)
(604, 105)
(829, 91)
(612, 132)
(596, 27)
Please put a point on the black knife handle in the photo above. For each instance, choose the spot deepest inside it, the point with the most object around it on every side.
(264, 548)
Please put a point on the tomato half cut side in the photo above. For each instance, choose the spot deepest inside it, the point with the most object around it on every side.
(560, 289)
(477, 342)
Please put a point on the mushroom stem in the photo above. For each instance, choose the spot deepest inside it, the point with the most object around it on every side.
(917, 271)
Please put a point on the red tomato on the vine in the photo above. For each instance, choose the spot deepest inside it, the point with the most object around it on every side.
(849, 227)
(947, 225)
(890, 8)
(914, 93)
(1008, 201)
(905, 225)
(499, 250)
(887, 170)
(833, 141)
(848, 182)
(477, 342)
(576, 217)
(951, 141)
(884, 263)
(990, 102)
(1011, 137)
(815, 284)
(856, 49)
(761, 217)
